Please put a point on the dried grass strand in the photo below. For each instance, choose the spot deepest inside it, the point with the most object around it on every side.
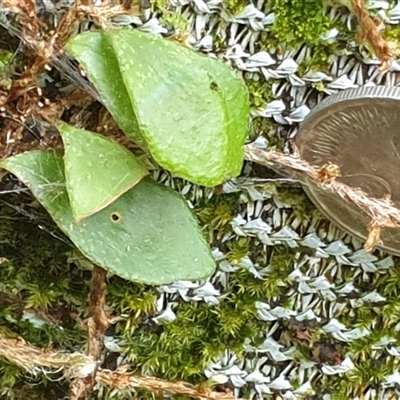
(77, 365)
(371, 30)
(382, 212)
(97, 323)
(120, 379)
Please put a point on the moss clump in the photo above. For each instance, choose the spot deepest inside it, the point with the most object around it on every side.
(302, 22)
(235, 6)
(42, 295)
(182, 348)
(15, 384)
(260, 93)
(299, 21)
(168, 16)
(238, 249)
(215, 214)
(299, 203)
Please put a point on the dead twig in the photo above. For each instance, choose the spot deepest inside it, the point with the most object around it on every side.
(76, 365)
(382, 212)
(97, 323)
(120, 379)
(33, 359)
(371, 30)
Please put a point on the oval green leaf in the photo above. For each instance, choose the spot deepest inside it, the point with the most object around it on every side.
(97, 170)
(148, 234)
(192, 110)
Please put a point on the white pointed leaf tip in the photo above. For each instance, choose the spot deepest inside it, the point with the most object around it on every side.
(167, 316)
(394, 351)
(316, 77)
(125, 20)
(346, 289)
(206, 42)
(329, 35)
(373, 297)
(288, 66)
(257, 225)
(110, 343)
(386, 263)
(321, 283)
(356, 333)
(201, 6)
(153, 26)
(237, 381)
(257, 377)
(393, 379)
(312, 240)
(334, 326)
(246, 262)
(262, 306)
(342, 83)
(299, 113)
(234, 370)
(305, 389)
(362, 256)
(235, 52)
(286, 233)
(206, 290)
(269, 19)
(219, 379)
(281, 312)
(296, 81)
(378, 4)
(262, 58)
(217, 254)
(337, 248)
(394, 13)
(261, 142)
(250, 12)
(280, 383)
(308, 315)
(270, 344)
(289, 396)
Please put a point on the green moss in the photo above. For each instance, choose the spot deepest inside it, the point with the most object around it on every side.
(133, 300)
(215, 214)
(299, 203)
(16, 384)
(299, 21)
(260, 92)
(238, 249)
(168, 16)
(392, 32)
(370, 373)
(235, 6)
(182, 348)
(302, 22)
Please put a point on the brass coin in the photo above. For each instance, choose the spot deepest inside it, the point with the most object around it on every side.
(358, 130)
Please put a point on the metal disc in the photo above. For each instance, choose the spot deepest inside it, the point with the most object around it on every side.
(358, 130)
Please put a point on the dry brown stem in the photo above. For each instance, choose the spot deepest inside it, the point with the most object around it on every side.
(382, 212)
(122, 380)
(76, 365)
(33, 359)
(96, 325)
(371, 30)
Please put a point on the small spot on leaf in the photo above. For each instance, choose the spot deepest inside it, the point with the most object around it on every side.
(115, 217)
(213, 86)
